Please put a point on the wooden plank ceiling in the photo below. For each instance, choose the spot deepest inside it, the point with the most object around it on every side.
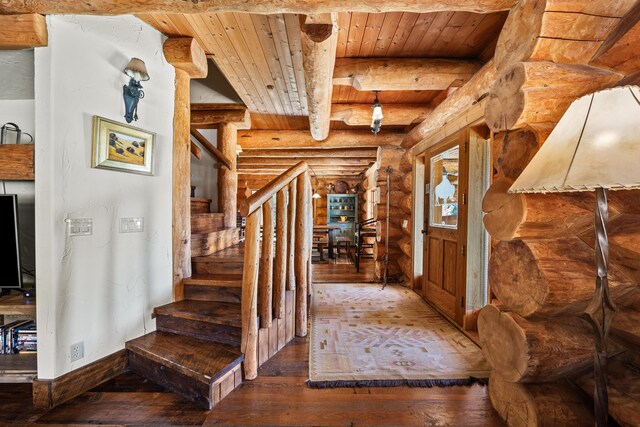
(261, 55)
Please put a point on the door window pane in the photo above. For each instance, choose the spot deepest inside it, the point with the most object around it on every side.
(444, 189)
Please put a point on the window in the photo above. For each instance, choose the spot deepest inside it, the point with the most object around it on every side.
(443, 204)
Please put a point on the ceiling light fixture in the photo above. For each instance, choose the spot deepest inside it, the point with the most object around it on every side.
(376, 117)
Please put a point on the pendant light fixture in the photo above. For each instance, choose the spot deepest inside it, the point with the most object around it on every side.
(376, 117)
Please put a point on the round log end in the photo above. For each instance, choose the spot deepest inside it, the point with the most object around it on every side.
(497, 195)
(506, 100)
(519, 34)
(515, 277)
(518, 148)
(503, 343)
(504, 223)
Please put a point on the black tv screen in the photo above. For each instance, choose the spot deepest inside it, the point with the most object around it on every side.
(11, 276)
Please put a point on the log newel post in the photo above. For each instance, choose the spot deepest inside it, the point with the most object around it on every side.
(249, 302)
(601, 310)
(189, 61)
(302, 251)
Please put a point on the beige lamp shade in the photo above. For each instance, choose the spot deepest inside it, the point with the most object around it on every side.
(596, 144)
(137, 70)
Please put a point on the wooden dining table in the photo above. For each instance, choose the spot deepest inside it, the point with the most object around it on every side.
(328, 230)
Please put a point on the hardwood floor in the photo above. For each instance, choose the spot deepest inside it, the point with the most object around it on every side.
(278, 397)
(342, 272)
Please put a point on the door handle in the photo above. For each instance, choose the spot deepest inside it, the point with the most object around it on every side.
(425, 232)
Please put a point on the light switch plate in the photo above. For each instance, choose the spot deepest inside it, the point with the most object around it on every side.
(131, 225)
(79, 226)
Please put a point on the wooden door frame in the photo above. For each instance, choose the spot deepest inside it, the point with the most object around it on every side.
(473, 119)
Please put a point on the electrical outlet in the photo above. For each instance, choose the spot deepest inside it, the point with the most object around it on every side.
(77, 351)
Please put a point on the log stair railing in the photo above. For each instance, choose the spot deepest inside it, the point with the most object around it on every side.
(276, 267)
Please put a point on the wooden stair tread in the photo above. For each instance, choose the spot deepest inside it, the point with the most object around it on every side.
(217, 230)
(226, 280)
(200, 200)
(202, 223)
(221, 313)
(201, 360)
(233, 253)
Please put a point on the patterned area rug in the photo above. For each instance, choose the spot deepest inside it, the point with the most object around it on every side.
(363, 336)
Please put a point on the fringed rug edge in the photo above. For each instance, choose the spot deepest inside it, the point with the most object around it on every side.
(399, 383)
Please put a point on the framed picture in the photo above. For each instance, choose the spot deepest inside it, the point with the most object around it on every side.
(121, 147)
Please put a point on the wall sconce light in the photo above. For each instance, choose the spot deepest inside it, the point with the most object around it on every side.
(376, 117)
(132, 92)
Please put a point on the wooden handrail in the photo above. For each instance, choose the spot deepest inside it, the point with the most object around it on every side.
(211, 148)
(257, 199)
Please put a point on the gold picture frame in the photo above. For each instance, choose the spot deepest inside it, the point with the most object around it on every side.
(120, 147)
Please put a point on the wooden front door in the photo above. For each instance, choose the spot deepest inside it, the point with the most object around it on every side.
(445, 228)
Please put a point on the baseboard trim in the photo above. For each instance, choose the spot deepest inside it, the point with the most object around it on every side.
(50, 393)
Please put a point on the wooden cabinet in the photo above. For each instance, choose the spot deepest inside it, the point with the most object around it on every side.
(342, 210)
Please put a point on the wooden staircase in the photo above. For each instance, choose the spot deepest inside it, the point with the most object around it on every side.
(244, 301)
(195, 351)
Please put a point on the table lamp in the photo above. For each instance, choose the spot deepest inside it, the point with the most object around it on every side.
(594, 147)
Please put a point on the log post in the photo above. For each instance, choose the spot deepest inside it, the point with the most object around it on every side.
(291, 236)
(265, 283)
(302, 240)
(318, 59)
(228, 178)
(189, 61)
(280, 267)
(526, 351)
(249, 304)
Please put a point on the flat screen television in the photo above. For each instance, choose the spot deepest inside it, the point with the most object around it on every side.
(10, 269)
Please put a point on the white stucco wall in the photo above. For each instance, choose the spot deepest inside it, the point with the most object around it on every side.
(204, 171)
(99, 289)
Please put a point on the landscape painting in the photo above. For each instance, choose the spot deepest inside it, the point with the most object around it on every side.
(118, 146)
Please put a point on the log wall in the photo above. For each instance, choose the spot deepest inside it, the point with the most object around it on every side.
(542, 267)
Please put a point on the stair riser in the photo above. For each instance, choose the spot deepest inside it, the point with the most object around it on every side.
(213, 293)
(206, 224)
(217, 267)
(203, 330)
(210, 243)
(197, 392)
(198, 207)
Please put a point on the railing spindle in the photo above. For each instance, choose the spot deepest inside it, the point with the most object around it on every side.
(291, 234)
(280, 267)
(250, 295)
(265, 283)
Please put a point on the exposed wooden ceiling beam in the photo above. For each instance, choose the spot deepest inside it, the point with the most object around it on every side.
(123, 7)
(23, 31)
(403, 73)
(248, 139)
(205, 116)
(275, 172)
(394, 114)
(311, 152)
(186, 54)
(313, 161)
(318, 59)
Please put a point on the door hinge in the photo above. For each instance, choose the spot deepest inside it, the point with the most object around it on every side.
(464, 198)
(461, 302)
(466, 146)
(463, 251)
(427, 188)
